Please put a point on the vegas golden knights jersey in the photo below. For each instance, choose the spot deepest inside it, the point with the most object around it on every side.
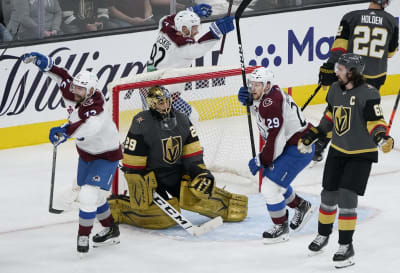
(149, 145)
(354, 117)
(373, 34)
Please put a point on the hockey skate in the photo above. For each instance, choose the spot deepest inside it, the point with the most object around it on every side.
(317, 244)
(344, 257)
(302, 214)
(82, 245)
(277, 234)
(108, 236)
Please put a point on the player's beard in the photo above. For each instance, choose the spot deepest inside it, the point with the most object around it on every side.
(78, 99)
(343, 83)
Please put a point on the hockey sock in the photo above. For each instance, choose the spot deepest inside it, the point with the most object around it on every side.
(326, 218)
(278, 212)
(292, 199)
(347, 225)
(104, 216)
(86, 220)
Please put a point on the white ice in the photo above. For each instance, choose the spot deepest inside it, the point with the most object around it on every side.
(32, 240)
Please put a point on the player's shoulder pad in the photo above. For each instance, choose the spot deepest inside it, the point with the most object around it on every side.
(93, 106)
(181, 117)
(372, 91)
(141, 121)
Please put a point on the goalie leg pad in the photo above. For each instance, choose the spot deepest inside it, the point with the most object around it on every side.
(231, 207)
(151, 218)
(141, 189)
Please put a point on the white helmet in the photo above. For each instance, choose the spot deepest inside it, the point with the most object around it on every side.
(86, 79)
(262, 75)
(186, 18)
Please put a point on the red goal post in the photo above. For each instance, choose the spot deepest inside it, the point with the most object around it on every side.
(212, 93)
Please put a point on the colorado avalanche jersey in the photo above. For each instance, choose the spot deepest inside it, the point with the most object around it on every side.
(280, 122)
(89, 123)
(175, 51)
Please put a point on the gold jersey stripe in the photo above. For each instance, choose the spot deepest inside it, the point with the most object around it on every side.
(391, 54)
(340, 43)
(328, 115)
(372, 124)
(375, 76)
(192, 148)
(354, 151)
(134, 160)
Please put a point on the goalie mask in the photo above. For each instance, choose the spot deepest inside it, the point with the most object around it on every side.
(84, 80)
(188, 19)
(262, 75)
(382, 3)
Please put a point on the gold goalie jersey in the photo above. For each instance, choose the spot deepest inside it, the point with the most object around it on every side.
(150, 145)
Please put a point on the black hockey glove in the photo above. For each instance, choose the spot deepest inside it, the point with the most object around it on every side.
(384, 142)
(305, 143)
(327, 74)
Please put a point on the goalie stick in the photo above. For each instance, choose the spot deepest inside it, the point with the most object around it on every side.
(181, 220)
(393, 113)
(53, 174)
(238, 14)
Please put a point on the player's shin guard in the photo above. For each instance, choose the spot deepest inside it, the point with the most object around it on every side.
(152, 217)
(230, 206)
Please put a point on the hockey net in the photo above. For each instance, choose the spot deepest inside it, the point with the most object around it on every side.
(219, 118)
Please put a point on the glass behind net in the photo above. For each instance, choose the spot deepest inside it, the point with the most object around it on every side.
(219, 118)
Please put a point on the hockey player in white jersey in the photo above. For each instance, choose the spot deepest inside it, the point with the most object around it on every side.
(281, 124)
(176, 46)
(97, 142)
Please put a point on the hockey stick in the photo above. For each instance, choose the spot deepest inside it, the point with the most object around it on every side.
(182, 221)
(238, 14)
(53, 174)
(221, 50)
(311, 97)
(393, 113)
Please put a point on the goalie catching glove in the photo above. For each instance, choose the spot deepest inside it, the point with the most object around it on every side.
(384, 142)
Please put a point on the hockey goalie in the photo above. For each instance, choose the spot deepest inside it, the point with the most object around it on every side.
(162, 153)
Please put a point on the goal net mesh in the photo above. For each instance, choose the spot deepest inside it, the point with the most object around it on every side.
(209, 96)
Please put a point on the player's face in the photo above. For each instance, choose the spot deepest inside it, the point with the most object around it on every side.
(162, 106)
(195, 31)
(341, 73)
(79, 92)
(257, 90)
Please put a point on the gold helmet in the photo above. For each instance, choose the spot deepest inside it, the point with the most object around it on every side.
(158, 95)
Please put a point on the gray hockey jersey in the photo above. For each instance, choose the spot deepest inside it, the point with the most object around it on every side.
(150, 145)
(354, 116)
(373, 34)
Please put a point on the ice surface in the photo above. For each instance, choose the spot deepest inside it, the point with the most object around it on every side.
(32, 240)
